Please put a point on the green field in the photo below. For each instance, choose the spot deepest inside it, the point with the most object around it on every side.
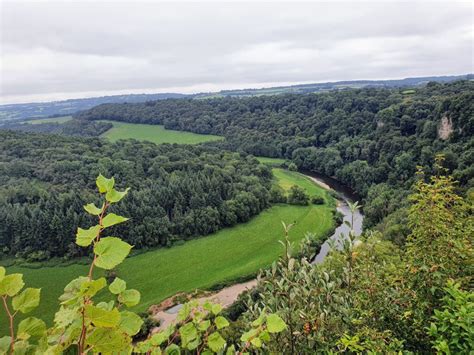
(200, 263)
(271, 161)
(155, 133)
(52, 119)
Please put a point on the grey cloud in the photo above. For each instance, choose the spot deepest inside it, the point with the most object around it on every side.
(73, 48)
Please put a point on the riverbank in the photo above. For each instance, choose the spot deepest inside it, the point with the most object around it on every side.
(229, 295)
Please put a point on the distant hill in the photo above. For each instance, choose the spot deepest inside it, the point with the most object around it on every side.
(337, 85)
(68, 107)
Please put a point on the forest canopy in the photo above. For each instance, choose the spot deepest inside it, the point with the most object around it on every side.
(178, 192)
(369, 139)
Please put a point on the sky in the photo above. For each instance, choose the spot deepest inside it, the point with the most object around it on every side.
(69, 49)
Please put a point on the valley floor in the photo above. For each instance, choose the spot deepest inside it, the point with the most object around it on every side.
(228, 255)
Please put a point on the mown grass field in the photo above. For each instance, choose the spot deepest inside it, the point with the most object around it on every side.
(271, 161)
(200, 263)
(52, 119)
(155, 133)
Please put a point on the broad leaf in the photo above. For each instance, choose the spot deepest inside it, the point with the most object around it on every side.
(101, 317)
(27, 300)
(110, 252)
(65, 316)
(107, 341)
(172, 349)
(84, 237)
(275, 324)
(5, 344)
(130, 323)
(90, 288)
(129, 298)
(188, 333)
(11, 285)
(221, 322)
(2, 272)
(115, 196)
(112, 219)
(104, 184)
(216, 308)
(92, 209)
(117, 286)
(215, 342)
(31, 327)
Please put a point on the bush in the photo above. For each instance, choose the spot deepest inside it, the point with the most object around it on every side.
(277, 195)
(317, 200)
(453, 327)
(298, 196)
(292, 167)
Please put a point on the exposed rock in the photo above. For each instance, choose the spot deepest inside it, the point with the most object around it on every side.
(446, 128)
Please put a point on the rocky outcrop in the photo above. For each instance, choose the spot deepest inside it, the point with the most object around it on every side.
(446, 128)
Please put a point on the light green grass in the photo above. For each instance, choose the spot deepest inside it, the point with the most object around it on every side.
(52, 119)
(271, 161)
(155, 133)
(200, 263)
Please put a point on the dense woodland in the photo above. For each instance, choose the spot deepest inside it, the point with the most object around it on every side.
(69, 128)
(369, 139)
(179, 192)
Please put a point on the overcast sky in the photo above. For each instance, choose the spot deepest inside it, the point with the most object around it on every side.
(56, 50)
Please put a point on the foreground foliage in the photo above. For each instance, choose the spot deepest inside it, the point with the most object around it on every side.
(372, 296)
(91, 326)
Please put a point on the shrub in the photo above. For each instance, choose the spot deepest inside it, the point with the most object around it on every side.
(298, 196)
(317, 200)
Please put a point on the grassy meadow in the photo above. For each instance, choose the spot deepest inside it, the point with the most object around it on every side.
(51, 119)
(155, 133)
(200, 263)
(271, 161)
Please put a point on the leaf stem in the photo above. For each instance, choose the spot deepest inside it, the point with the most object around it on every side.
(12, 331)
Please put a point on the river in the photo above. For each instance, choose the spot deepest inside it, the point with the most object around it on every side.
(341, 232)
(229, 294)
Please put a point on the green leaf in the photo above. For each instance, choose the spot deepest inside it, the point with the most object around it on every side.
(84, 237)
(215, 342)
(216, 308)
(202, 326)
(31, 327)
(5, 344)
(65, 316)
(248, 335)
(172, 349)
(110, 252)
(115, 196)
(106, 341)
(2, 272)
(90, 288)
(112, 219)
(11, 285)
(275, 324)
(104, 184)
(92, 209)
(130, 323)
(188, 333)
(158, 338)
(117, 286)
(257, 342)
(129, 298)
(26, 301)
(101, 317)
(221, 322)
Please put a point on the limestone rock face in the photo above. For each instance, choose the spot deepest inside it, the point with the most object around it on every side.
(446, 128)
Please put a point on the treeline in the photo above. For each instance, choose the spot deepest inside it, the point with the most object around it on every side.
(70, 128)
(369, 139)
(178, 192)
